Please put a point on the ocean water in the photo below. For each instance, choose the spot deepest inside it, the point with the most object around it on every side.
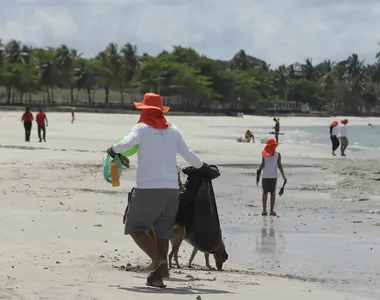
(360, 136)
(364, 141)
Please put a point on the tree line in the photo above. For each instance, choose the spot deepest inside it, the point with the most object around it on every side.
(244, 82)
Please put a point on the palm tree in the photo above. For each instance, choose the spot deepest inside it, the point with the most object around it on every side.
(282, 81)
(111, 61)
(307, 70)
(129, 65)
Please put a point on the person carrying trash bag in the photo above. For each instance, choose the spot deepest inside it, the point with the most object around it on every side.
(154, 199)
(198, 212)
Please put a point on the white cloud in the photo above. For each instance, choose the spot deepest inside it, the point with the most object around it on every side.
(278, 31)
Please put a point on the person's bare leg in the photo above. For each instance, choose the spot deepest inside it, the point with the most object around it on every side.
(148, 246)
(272, 203)
(265, 200)
(150, 234)
(163, 250)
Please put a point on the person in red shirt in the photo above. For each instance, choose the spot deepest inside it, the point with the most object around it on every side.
(73, 115)
(27, 118)
(41, 119)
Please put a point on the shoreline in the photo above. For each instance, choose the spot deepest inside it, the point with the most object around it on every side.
(117, 109)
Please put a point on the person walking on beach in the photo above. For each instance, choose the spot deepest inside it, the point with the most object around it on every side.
(72, 115)
(27, 118)
(334, 136)
(343, 136)
(155, 199)
(276, 128)
(41, 125)
(271, 161)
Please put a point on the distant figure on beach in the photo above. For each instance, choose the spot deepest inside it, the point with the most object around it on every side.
(240, 115)
(369, 124)
(42, 123)
(271, 161)
(155, 198)
(343, 136)
(249, 136)
(73, 115)
(334, 136)
(276, 128)
(27, 118)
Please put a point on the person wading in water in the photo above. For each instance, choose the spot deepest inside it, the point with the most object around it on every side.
(27, 118)
(343, 137)
(334, 136)
(276, 128)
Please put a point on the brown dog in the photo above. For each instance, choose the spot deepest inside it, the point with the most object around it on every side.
(179, 235)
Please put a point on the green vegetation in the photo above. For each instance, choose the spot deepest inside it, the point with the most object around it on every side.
(63, 75)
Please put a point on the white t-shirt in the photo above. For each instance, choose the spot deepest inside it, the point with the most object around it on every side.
(270, 166)
(336, 130)
(343, 130)
(157, 155)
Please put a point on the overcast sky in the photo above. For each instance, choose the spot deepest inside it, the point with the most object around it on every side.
(278, 31)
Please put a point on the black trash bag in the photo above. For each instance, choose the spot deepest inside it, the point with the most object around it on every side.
(187, 196)
(198, 211)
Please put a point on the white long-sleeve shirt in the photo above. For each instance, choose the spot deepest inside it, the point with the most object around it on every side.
(157, 155)
(343, 130)
(336, 131)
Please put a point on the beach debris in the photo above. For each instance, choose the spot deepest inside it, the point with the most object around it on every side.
(357, 222)
(363, 199)
(98, 225)
(199, 298)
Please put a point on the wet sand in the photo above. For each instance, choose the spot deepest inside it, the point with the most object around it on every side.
(63, 236)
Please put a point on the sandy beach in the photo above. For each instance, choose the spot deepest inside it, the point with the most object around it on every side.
(62, 232)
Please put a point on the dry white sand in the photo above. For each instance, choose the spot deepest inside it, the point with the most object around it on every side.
(62, 232)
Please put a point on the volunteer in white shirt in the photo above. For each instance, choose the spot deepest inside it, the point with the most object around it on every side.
(334, 136)
(154, 201)
(343, 136)
(271, 161)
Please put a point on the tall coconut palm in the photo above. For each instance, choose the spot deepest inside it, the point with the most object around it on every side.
(14, 53)
(308, 70)
(282, 81)
(110, 58)
(129, 66)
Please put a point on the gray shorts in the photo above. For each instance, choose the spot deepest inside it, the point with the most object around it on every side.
(152, 207)
(344, 141)
(269, 185)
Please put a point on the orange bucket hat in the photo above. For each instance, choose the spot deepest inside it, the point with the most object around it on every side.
(270, 148)
(152, 101)
(344, 121)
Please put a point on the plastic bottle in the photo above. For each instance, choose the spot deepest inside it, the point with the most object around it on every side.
(114, 174)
